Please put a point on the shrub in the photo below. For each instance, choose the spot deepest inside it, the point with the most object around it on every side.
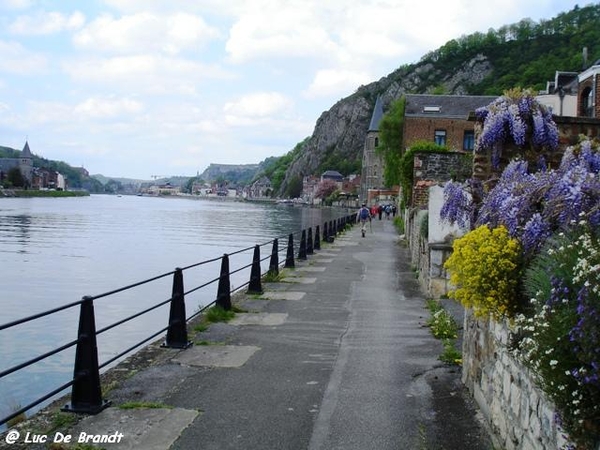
(561, 339)
(485, 269)
(399, 224)
(443, 325)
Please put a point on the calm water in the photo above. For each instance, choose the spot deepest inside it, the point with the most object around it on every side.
(55, 251)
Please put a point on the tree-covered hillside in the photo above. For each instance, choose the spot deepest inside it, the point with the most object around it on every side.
(527, 54)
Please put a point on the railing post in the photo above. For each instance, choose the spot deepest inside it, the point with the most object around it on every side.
(274, 261)
(317, 245)
(86, 393)
(289, 259)
(255, 286)
(309, 242)
(177, 333)
(224, 289)
(302, 250)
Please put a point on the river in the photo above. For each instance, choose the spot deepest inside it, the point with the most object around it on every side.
(54, 251)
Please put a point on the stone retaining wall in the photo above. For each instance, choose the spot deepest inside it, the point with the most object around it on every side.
(520, 415)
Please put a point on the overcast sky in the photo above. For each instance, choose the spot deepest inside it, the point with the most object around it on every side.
(136, 88)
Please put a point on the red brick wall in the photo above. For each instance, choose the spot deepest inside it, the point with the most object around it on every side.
(423, 128)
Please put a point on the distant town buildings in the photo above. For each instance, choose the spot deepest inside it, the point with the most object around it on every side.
(33, 177)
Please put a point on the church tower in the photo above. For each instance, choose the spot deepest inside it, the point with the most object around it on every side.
(26, 163)
(372, 164)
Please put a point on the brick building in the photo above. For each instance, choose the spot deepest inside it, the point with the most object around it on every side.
(443, 119)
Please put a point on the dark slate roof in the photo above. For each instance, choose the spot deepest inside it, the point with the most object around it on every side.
(446, 106)
(332, 174)
(377, 115)
(26, 153)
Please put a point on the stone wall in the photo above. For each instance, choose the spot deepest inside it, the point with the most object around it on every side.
(517, 411)
(431, 168)
(417, 244)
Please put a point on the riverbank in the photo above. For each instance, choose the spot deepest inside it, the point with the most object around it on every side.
(24, 193)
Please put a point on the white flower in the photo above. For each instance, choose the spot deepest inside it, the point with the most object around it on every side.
(553, 362)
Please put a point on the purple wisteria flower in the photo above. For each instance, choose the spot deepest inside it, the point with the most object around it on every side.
(535, 232)
(457, 206)
(516, 117)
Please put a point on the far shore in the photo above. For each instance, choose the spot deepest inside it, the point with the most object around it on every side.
(11, 193)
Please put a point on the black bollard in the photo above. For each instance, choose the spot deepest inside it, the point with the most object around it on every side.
(289, 260)
(255, 286)
(317, 245)
(274, 261)
(224, 289)
(177, 331)
(86, 393)
(302, 250)
(309, 242)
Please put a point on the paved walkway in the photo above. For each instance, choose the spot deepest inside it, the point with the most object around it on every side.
(335, 357)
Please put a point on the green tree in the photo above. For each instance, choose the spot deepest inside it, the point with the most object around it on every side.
(390, 141)
(294, 188)
(16, 178)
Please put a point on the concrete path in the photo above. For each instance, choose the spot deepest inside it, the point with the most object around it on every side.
(335, 357)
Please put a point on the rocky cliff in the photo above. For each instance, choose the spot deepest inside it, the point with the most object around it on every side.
(341, 130)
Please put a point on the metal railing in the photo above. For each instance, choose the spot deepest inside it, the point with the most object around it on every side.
(86, 393)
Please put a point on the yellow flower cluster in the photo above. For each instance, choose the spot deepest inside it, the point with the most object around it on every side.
(484, 268)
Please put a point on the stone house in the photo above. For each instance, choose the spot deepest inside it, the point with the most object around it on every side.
(309, 187)
(261, 188)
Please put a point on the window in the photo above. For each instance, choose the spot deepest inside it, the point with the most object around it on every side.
(587, 100)
(469, 140)
(440, 137)
(376, 142)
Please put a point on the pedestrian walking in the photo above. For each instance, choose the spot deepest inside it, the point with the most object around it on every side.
(363, 216)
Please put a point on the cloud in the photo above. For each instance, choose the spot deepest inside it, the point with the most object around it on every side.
(15, 4)
(288, 30)
(259, 104)
(145, 32)
(14, 58)
(46, 23)
(102, 108)
(330, 82)
(145, 73)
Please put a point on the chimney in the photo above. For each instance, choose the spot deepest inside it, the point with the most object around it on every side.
(585, 56)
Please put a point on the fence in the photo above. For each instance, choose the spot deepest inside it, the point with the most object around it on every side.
(86, 393)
